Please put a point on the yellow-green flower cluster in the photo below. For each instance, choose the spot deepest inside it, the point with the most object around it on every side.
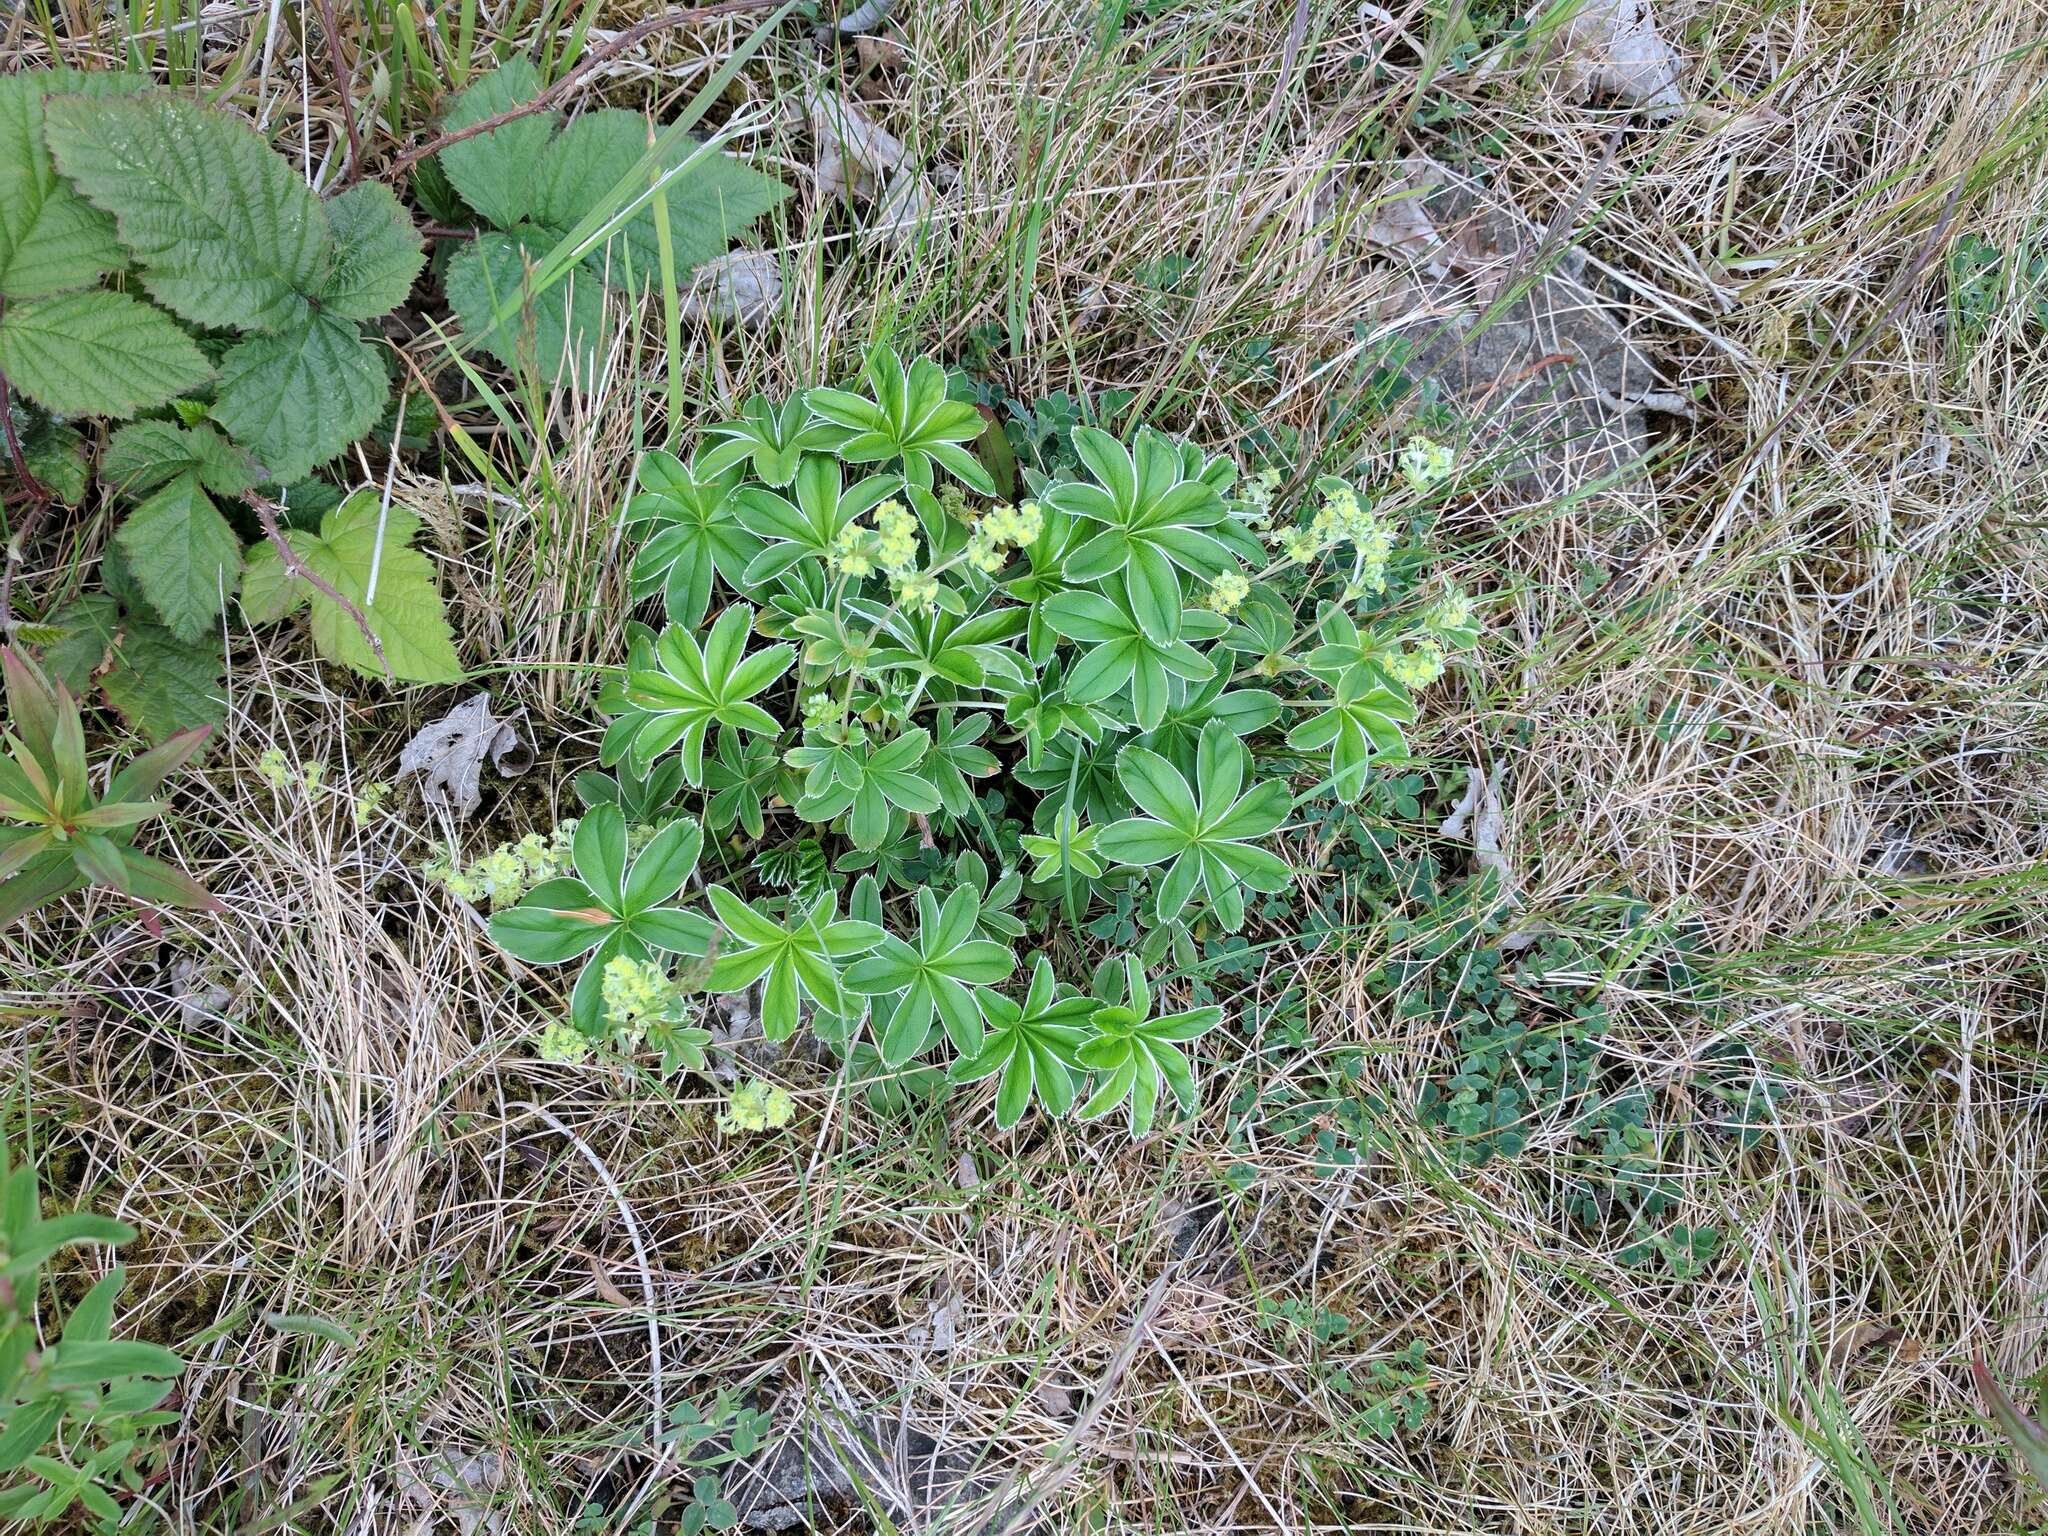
(1229, 590)
(1417, 668)
(757, 1106)
(275, 769)
(850, 555)
(1342, 519)
(1018, 527)
(1426, 464)
(562, 1042)
(915, 589)
(1452, 611)
(509, 870)
(823, 709)
(369, 801)
(1001, 529)
(1257, 491)
(896, 537)
(637, 993)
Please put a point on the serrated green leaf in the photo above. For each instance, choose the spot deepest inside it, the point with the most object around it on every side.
(97, 353)
(494, 171)
(51, 239)
(707, 204)
(159, 684)
(225, 231)
(377, 252)
(184, 554)
(55, 455)
(406, 616)
(297, 399)
(146, 454)
(489, 271)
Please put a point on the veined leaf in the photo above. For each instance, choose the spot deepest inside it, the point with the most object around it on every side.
(97, 353)
(406, 614)
(377, 252)
(494, 171)
(564, 322)
(184, 554)
(299, 397)
(224, 229)
(51, 239)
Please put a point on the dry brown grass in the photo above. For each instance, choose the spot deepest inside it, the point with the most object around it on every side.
(1840, 565)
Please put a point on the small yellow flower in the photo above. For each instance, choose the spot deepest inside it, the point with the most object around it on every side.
(915, 590)
(984, 552)
(1426, 464)
(272, 768)
(1417, 668)
(756, 1106)
(1451, 611)
(1227, 591)
(849, 554)
(562, 1042)
(1299, 543)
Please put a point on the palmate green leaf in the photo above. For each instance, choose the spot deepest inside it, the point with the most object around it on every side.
(803, 529)
(800, 957)
(863, 784)
(97, 353)
(297, 398)
(696, 534)
(1133, 1054)
(1362, 721)
(1032, 1043)
(1151, 519)
(907, 417)
(935, 976)
(1118, 654)
(675, 690)
(51, 239)
(611, 907)
(773, 441)
(406, 614)
(224, 230)
(183, 553)
(1206, 832)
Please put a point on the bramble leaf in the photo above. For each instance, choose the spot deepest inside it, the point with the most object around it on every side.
(97, 353)
(299, 397)
(51, 239)
(225, 231)
(406, 614)
(183, 553)
(377, 252)
(494, 171)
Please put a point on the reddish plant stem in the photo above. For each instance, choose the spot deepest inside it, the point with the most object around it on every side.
(38, 506)
(345, 82)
